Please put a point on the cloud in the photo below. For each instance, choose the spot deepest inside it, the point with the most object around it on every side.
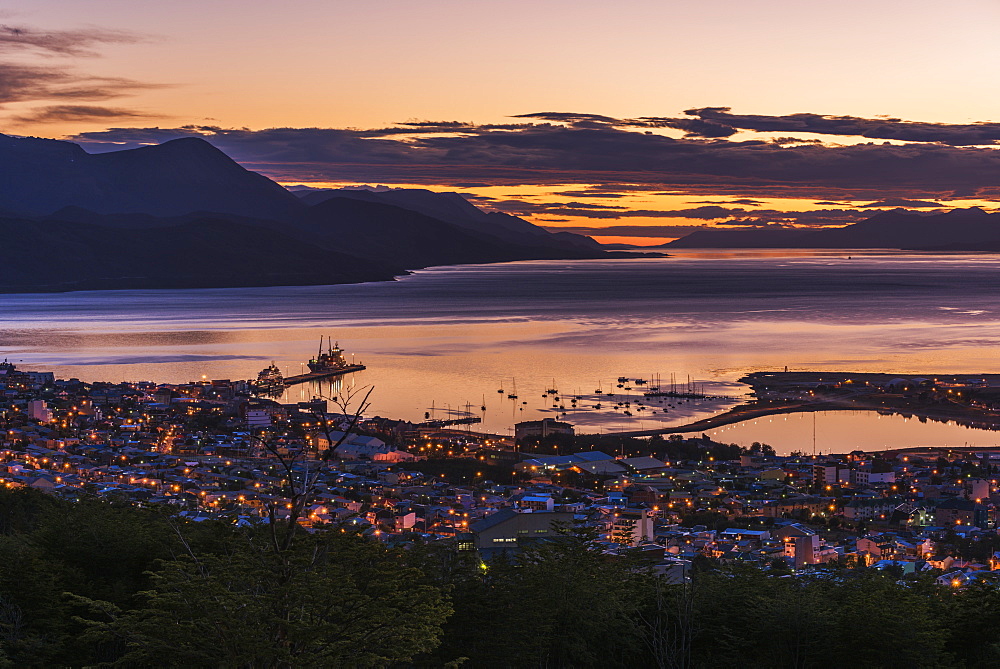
(873, 128)
(631, 230)
(59, 113)
(794, 140)
(901, 202)
(603, 211)
(587, 193)
(692, 126)
(27, 83)
(720, 215)
(662, 230)
(744, 201)
(550, 154)
(622, 187)
(24, 81)
(81, 42)
(719, 122)
(754, 223)
(572, 118)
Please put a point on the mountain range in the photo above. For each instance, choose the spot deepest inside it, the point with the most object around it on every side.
(957, 230)
(182, 214)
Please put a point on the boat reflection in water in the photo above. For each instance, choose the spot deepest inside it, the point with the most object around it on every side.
(326, 364)
(270, 382)
(325, 372)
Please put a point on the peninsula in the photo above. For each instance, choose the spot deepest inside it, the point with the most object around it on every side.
(972, 400)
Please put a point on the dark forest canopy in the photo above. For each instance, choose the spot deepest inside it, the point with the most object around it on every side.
(93, 584)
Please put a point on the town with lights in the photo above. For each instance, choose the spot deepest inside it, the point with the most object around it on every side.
(220, 498)
(213, 450)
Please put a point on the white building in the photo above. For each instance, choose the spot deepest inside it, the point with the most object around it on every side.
(40, 411)
(258, 418)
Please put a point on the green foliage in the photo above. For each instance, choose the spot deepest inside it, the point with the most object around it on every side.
(332, 600)
(20, 509)
(94, 584)
(747, 619)
(104, 549)
(557, 604)
(973, 632)
(90, 583)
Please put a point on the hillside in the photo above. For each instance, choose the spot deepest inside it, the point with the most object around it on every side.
(183, 214)
(409, 238)
(53, 256)
(455, 209)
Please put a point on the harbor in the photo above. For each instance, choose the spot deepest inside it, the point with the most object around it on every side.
(325, 365)
(432, 340)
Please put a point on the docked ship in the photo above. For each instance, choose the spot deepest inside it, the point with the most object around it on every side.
(330, 362)
(270, 381)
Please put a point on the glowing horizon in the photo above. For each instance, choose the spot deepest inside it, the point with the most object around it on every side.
(643, 111)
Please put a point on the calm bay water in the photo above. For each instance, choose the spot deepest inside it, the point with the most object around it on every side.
(446, 339)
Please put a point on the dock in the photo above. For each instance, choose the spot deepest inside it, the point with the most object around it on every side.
(316, 376)
(468, 420)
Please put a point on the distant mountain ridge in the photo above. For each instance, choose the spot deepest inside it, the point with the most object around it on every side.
(959, 230)
(184, 214)
(457, 210)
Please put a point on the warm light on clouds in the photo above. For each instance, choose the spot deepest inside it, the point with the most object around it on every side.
(258, 64)
(640, 120)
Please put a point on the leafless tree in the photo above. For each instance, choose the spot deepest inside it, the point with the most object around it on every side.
(667, 627)
(301, 488)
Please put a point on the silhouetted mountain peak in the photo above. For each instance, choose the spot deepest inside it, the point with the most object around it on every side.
(40, 147)
(145, 217)
(169, 179)
(970, 212)
(192, 148)
(74, 213)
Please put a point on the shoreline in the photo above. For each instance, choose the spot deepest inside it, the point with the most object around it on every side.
(850, 392)
(98, 285)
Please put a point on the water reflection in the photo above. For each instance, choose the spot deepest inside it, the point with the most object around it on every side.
(844, 431)
(447, 338)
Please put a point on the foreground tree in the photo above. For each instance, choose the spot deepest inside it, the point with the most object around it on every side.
(331, 600)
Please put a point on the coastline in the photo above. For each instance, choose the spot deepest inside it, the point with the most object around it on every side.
(179, 283)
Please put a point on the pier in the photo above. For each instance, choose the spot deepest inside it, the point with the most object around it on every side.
(468, 420)
(316, 376)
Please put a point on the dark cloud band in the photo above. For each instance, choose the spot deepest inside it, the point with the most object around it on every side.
(548, 153)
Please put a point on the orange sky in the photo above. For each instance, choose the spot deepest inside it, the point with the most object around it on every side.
(257, 64)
